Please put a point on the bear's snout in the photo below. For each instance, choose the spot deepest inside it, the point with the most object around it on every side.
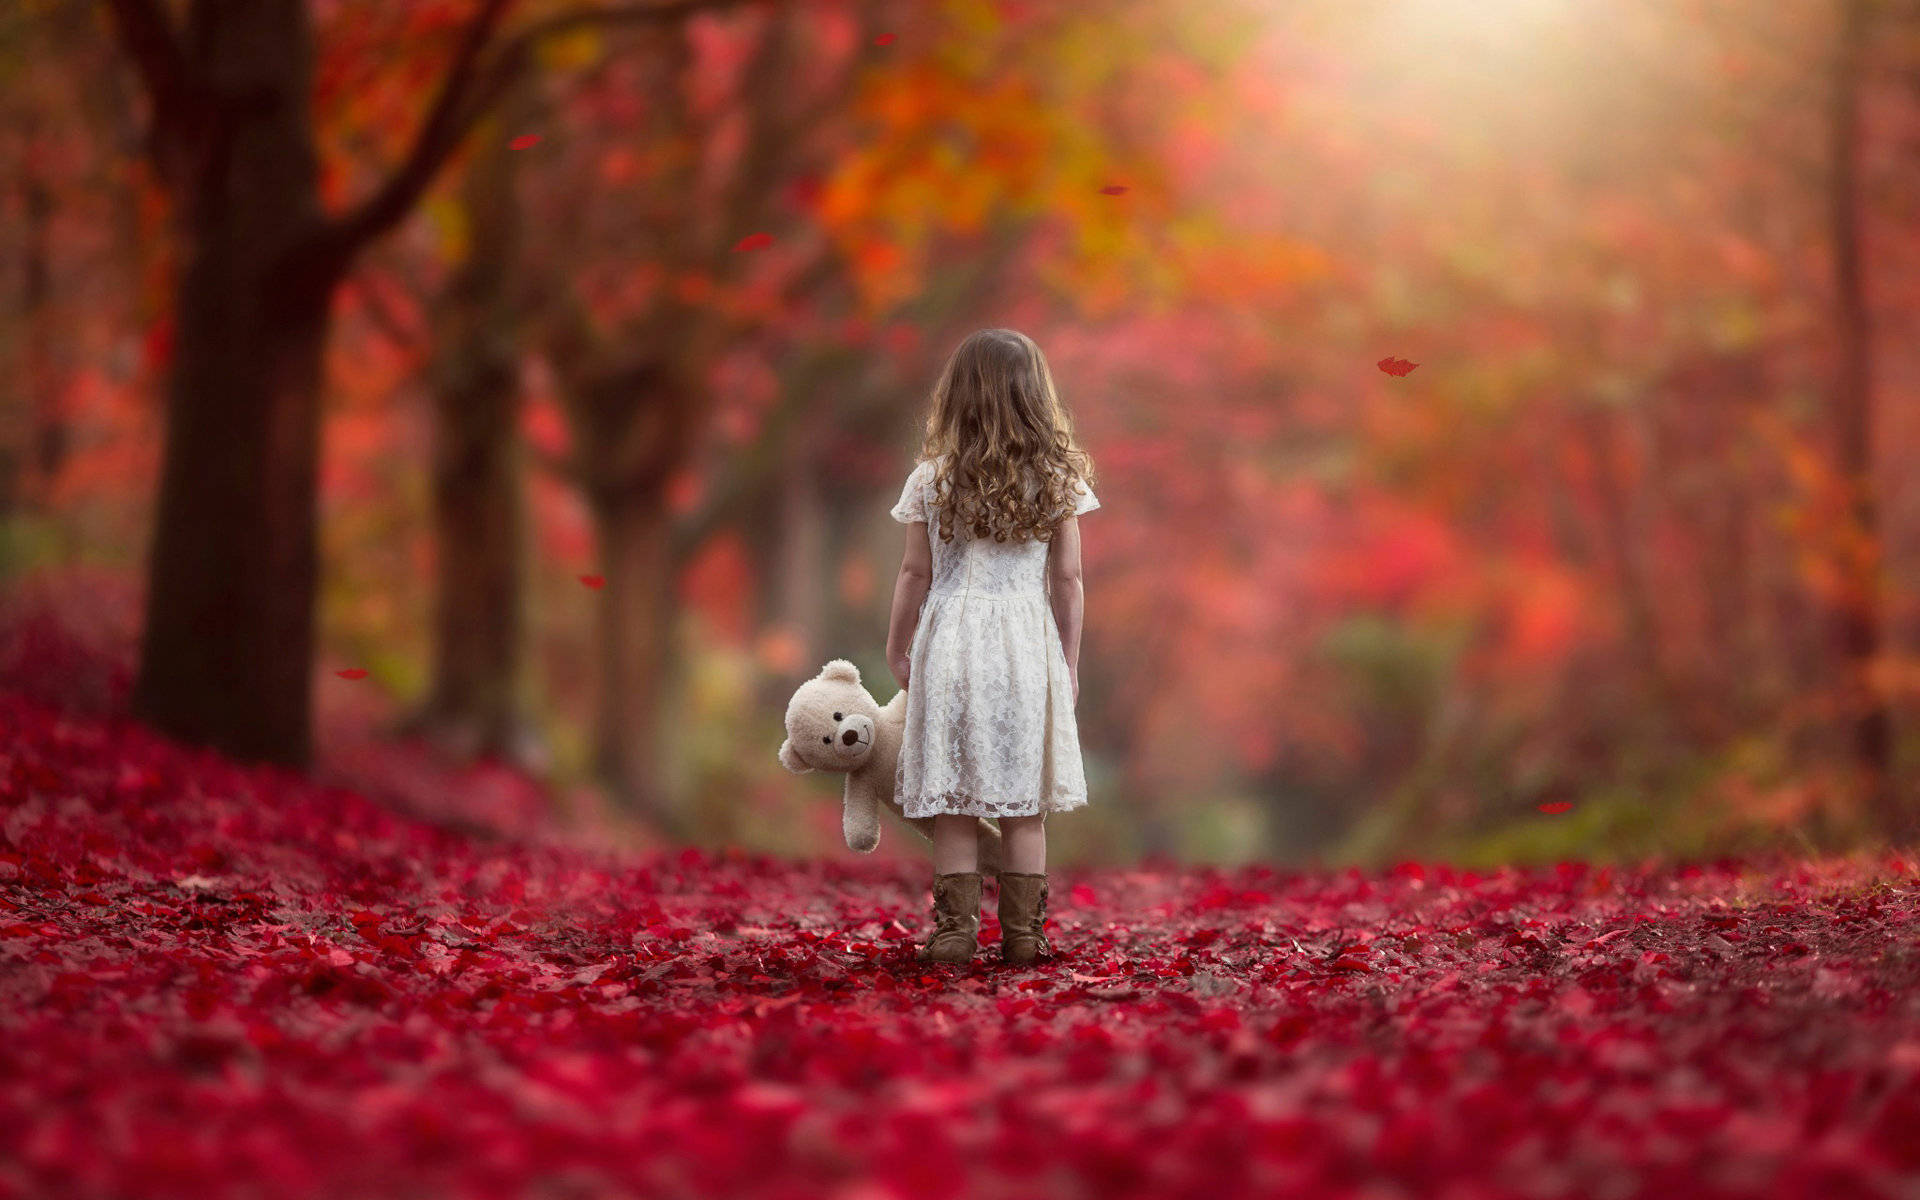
(856, 734)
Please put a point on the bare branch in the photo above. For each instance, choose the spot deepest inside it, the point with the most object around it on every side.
(565, 468)
(470, 91)
(404, 335)
(149, 39)
(439, 135)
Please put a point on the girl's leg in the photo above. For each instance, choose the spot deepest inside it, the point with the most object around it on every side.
(956, 844)
(1024, 843)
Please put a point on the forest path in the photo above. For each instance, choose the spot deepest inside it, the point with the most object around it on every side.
(217, 981)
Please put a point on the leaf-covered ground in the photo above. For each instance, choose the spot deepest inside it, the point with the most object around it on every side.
(226, 982)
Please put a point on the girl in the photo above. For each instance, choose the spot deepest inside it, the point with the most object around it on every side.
(985, 634)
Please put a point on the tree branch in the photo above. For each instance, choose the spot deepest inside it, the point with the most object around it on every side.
(836, 95)
(566, 468)
(777, 129)
(440, 133)
(470, 91)
(149, 39)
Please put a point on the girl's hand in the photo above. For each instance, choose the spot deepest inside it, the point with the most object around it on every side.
(900, 666)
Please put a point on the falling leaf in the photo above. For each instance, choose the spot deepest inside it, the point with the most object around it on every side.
(1114, 189)
(885, 39)
(754, 241)
(352, 673)
(1556, 806)
(524, 140)
(1397, 366)
(594, 581)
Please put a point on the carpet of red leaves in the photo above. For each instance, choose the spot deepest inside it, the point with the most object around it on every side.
(217, 981)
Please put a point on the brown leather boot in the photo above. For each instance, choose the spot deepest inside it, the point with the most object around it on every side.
(956, 914)
(1023, 910)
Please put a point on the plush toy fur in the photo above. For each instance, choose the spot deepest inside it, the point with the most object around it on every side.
(834, 724)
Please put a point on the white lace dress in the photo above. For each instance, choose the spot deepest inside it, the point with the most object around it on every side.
(990, 726)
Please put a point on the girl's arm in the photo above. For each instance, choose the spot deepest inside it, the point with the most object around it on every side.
(909, 592)
(1067, 594)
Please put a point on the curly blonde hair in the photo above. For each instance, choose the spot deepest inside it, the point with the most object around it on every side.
(1007, 460)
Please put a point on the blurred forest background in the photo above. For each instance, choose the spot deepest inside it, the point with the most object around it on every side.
(554, 364)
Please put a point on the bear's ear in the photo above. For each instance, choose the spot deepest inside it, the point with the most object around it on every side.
(840, 668)
(791, 760)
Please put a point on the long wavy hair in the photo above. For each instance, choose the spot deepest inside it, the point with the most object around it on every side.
(1006, 460)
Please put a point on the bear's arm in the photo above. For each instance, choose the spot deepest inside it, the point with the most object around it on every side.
(860, 813)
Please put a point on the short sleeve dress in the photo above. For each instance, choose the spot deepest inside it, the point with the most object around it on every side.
(990, 726)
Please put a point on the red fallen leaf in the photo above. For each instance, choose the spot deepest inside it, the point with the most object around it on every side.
(1396, 366)
(885, 39)
(524, 140)
(352, 673)
(683, 1059)
(1557, 806)
(1114, 189)
(594, 581)
(754, 241)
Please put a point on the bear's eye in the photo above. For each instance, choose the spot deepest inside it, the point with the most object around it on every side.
(836, 716)
(827, 740)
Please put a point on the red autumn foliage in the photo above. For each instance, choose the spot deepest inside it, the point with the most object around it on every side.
(221, 981)
(1396, 366)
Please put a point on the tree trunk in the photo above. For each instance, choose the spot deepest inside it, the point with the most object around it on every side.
(1621, 495)
(33, 436)
(478, 506)
(800, 552)
(49, 423)
(478, 525)
(636, 629)
(1858, 615)
(226, 658)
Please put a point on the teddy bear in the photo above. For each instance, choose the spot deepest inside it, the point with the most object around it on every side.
(834, 724)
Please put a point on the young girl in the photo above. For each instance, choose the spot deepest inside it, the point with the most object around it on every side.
(985, 634)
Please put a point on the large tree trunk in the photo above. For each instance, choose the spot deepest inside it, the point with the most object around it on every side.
(478, 505)
(226, 658)
(1858, 614)
(637, 612)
